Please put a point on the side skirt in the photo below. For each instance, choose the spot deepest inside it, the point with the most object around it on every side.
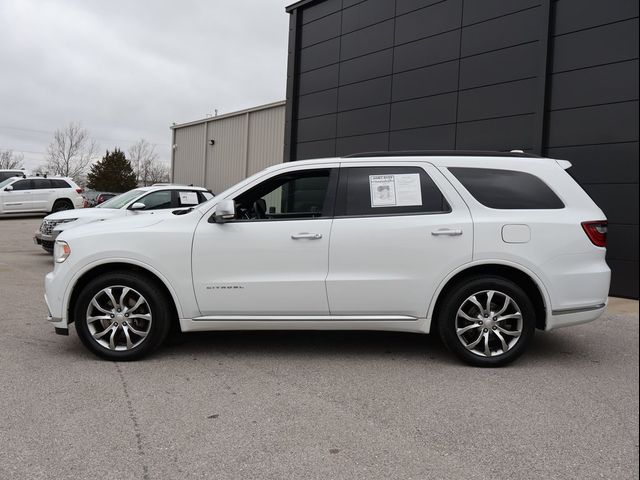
(397, 323)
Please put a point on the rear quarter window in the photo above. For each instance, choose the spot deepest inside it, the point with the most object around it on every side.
(59, 183)
(372, 191)
(507, 189)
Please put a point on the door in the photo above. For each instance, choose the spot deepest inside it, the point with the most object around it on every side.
(19, 199)
(398, 231)
(272, 259)
(42, 193)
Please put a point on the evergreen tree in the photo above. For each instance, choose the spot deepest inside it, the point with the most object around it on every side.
(112, 174)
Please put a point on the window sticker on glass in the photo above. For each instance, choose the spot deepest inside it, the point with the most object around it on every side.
(188, 198)
(395, 190)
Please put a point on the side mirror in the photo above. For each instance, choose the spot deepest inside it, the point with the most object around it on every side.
(8, 188)
(138, 206)
(224, 211)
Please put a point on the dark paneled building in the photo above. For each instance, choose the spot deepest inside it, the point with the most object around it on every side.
(556, 78)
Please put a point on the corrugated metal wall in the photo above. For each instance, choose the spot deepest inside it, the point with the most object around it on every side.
(266, 134)
(244, 143)
(188, 155)
(227, 158)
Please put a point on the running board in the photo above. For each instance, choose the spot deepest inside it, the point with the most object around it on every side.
(303, 318)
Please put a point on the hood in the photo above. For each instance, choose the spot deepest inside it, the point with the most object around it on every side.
(121, 225)
(89, 214)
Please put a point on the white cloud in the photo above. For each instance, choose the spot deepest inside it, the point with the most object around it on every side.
(128, 69)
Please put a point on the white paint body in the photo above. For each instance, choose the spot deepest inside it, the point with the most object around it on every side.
(375, 273)
(70, 219)
(37, 200)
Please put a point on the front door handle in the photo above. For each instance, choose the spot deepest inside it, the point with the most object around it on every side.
(306, 236)
(451, 232)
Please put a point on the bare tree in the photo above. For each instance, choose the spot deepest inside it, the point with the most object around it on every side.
(148, 168)
(158, 173)
(41, 170)
(10, 160)
(71, 151)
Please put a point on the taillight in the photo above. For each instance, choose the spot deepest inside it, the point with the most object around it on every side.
(79, 190)
(597, 232)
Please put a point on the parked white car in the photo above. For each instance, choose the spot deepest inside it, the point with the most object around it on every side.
(134, 202)
(20, 195)
(481, 248)
(12, 172)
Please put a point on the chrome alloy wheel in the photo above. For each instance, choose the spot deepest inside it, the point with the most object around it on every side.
(489, 323)
(118, 318)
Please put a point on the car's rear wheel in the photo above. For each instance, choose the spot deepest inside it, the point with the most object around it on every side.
(122, 316)
(487, 321)
(61, 205)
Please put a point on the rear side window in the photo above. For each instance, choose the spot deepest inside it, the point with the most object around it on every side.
(368, 191)
(188, 198)
(59, 183)
(41, 184)
(507, 189)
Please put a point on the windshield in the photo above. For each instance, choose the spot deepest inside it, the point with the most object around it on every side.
(121, 200)
(7, 181)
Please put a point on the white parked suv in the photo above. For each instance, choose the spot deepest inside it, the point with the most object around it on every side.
(483, 248)
(12, 172)
(140, 200)
(19, 195)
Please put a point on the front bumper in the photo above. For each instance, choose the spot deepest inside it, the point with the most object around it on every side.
(61, 327)
(45, 241)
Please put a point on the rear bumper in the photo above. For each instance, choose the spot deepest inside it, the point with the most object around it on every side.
(575, 316)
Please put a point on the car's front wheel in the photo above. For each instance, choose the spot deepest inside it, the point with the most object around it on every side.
(122, 316)
(487, 321)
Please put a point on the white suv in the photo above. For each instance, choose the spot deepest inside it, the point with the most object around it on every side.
(134, 202)
(12, 172)
(482, 248)
(20, 195)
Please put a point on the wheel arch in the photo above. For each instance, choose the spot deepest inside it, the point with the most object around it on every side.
(62, 200)
(523, 277)
(121, 265)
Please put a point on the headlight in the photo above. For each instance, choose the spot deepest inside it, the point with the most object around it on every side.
(67, 220)
(61, 251)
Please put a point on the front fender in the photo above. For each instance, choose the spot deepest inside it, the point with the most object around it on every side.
(80, 272)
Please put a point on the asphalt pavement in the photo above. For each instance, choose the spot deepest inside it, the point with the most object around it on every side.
(306, 405)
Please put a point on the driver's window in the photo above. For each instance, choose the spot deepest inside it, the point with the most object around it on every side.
(23, 185)
(157, 200)
(289, 196)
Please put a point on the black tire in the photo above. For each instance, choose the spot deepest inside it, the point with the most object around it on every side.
(484, 324)
(156, 305)
(61, 204)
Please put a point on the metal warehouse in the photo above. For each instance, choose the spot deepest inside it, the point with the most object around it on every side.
(555, 78)
(217, 152)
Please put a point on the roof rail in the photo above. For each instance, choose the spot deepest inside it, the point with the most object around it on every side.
(443, 153)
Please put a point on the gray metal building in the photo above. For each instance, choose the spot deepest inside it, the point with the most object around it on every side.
(217, 152)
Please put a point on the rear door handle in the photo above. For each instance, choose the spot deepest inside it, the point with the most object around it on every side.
(451, 232)
(306, 236)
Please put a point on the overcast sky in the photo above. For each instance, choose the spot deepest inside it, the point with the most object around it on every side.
(127, 69)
